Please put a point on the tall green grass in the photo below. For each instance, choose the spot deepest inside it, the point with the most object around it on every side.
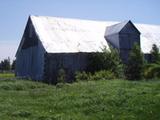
(88, 100)
(7, 75)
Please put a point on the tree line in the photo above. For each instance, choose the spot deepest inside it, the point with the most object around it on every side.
(7, 65)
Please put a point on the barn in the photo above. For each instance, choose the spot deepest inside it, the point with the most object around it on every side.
(51, 43)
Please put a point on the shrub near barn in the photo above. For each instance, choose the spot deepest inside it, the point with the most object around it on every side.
(152, 70)
(106, 61)
(134, 67)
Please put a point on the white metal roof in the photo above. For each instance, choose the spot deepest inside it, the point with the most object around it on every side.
(60, 35)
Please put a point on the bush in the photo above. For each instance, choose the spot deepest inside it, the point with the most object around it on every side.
(106, 60)
(59, 85)
(61, 76)
(134, 67)
(103, 75)
(100, 75)
(155, 54)
(152, 71)
(82, 76)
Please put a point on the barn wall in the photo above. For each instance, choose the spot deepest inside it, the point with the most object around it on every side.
(30, 62)
(25, 62)
(30, 56)
(69, 62)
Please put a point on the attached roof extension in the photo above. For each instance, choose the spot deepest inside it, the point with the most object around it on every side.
(116, 28)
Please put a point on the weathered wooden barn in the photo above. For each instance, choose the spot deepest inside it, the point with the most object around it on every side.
(50, 44)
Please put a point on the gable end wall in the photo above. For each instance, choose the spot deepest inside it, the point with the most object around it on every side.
(30, 57)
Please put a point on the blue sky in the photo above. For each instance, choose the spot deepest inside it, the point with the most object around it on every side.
(14, 14)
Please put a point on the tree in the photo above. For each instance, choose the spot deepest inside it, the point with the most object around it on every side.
(61, 78)
(13, 65)
(134, 67)
(155, 54)
(5, 64)
(0, 66)
(152, 70)
(106, 60)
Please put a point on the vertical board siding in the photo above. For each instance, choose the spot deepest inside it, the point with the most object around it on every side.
(69, 62)
(30, 64)
(30, 56)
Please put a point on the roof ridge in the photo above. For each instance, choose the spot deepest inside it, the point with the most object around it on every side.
(67, 18)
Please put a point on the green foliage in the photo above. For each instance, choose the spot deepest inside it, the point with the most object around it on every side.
(99, 75)
(134, 67)
(103, 75)
(5, 65)
(61, 76)
(92, 100)
(6, 75)
(106, 60)
(59, 85)
(155, 54)
(13, 65)
(152, 71)
(15, 85)
(82, 76)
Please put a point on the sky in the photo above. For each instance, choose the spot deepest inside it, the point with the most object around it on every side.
(14, 15)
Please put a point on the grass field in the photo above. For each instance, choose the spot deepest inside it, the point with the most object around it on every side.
(6, 75)
(93, 100)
